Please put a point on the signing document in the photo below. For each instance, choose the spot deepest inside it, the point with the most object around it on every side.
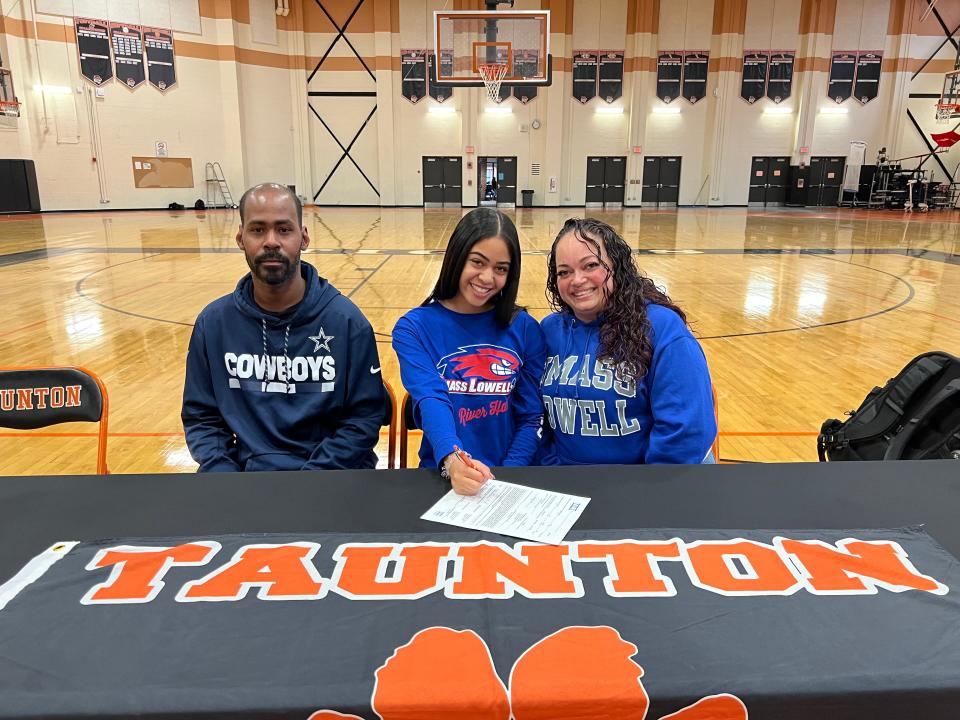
(510, 509)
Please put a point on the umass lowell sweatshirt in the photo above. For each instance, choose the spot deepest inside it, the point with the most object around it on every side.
(300, 390)
(474, 384)
(593, 417)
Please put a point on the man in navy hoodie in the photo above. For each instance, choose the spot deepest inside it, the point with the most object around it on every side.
(283, 374)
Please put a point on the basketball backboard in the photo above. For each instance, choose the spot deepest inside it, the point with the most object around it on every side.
(948, 106)
(464, 40)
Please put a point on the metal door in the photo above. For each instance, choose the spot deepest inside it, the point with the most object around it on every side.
(759, 170)
(452, 181)
(614, 180)
(832, 180)
(596, 170)
(669, 181)
(778, 180)
(507, 180)
(650, 188)
(433, 181)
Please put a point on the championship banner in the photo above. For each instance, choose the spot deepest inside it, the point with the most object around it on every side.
(842, 69)
(413, 74)
(611, 75)
(867, 82)
(525, 65)
(753, 83)
(656, 624)
(695, 70)
(93, 46)
(439, 93)
(669, 73)
(780, 76)
(127, 44)
(585, 75)
(161, 67)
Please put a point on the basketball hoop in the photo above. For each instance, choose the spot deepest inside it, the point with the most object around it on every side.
(945, 112)
(9, 108)
(492, 75)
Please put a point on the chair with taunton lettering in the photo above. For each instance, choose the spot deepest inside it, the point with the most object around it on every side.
(36, 397)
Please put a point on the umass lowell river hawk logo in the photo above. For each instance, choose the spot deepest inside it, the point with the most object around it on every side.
(480, 370)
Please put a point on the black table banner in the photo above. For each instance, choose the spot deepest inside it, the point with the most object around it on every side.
(652, 623)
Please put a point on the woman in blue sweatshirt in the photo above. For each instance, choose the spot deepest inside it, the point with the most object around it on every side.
(471, 358)
(625, 380)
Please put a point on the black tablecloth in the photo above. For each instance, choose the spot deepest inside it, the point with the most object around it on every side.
(889, 651)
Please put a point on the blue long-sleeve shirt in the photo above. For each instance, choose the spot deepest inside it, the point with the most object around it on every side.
(474, 384)
(591, 417)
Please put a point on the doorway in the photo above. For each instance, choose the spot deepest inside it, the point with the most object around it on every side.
(442, 181)
(606, 178)
(769, 179)
(661, 181)
(497, 181)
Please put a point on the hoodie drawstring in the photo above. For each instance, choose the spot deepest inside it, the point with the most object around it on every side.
(286, 342)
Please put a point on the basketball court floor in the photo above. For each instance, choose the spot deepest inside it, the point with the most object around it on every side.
(800, 312)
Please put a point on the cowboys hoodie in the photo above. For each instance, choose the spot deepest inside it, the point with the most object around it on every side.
(301, 390)
(594, 417)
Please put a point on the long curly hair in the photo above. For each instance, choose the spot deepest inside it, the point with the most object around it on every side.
(624, 328)
(479, 224)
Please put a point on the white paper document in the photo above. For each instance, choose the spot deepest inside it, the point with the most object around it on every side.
(510, 509)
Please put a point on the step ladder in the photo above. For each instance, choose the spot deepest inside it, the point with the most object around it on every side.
(218, 192)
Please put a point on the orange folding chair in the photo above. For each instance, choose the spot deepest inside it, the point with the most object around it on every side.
(407, 423)
(716, 414)
(390, 421)
(36, 397)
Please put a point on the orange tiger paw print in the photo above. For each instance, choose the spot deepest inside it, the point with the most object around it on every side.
(575, 673)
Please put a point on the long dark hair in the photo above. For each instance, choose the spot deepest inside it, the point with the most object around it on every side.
(479, 224)
(624, 327)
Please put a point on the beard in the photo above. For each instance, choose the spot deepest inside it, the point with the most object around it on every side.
(274, 275)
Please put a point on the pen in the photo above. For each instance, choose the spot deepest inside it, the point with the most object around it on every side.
(464, 458)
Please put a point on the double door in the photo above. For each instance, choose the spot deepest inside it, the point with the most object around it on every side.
(826, 178)
(661, 180)
(442, 181)
(497, 179)
(606, 178)
(769, 181)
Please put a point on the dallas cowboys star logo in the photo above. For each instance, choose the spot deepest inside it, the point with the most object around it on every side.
(322, 340)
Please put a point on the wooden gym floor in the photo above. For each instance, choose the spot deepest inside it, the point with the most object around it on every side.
(800, 312)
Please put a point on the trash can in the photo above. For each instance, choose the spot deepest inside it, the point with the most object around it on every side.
(527, 198)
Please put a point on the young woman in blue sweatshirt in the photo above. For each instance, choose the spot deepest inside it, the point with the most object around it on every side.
(625, 380)
(471, 358)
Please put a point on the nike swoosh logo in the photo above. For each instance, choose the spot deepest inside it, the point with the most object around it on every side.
(373, 370)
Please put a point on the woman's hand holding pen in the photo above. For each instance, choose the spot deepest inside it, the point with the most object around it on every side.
(467, 475)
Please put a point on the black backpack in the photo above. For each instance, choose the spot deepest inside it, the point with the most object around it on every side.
(915, 416)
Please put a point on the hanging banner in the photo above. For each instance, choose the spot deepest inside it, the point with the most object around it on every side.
(585, 75)
(525, 64)
(780, 75)
(127, 44)
(695, 70)
(753, 84)
(611, 75)
(867, 83)
(93, 45)
(413, 74)
(669, 73)
(161, 67)
(842, 69)
(439, 93)
(718, 624)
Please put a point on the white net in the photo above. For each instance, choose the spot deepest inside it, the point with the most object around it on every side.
(945, 113)
(492, 76)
